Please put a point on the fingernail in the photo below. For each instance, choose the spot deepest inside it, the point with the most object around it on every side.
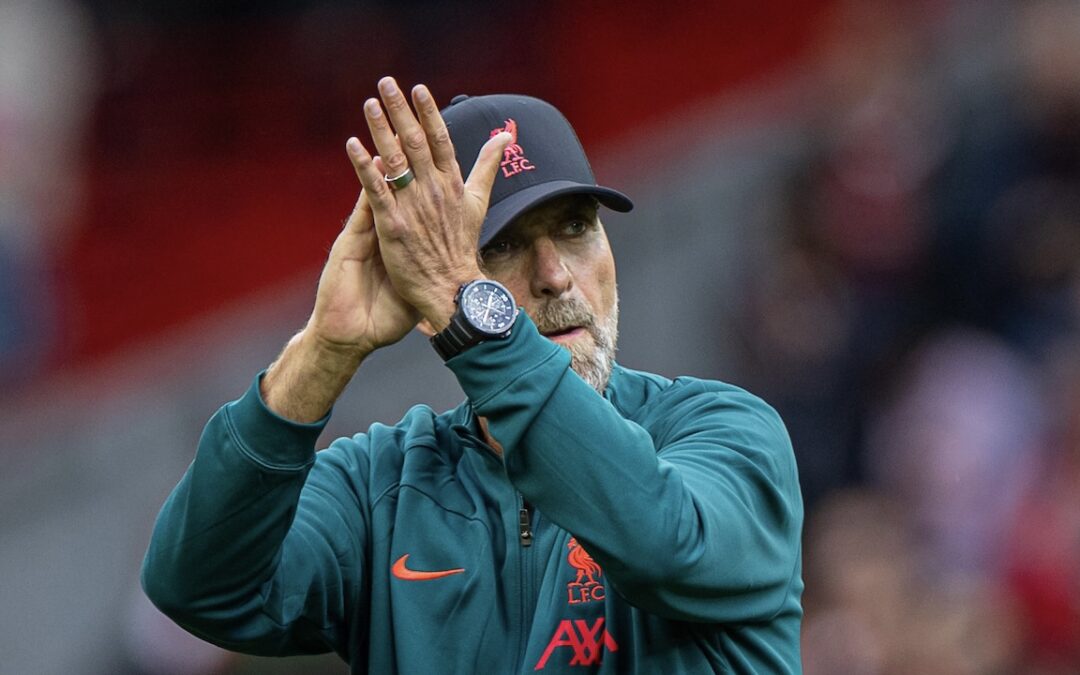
(388, 85)
(372, 107)
(422, 93)
(352, 146)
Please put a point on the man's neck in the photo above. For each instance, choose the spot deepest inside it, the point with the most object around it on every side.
(488, 438)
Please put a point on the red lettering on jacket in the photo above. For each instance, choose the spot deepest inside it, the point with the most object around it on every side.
(585, 640)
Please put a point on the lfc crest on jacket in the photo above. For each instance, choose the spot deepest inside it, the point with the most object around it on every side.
(586, 586)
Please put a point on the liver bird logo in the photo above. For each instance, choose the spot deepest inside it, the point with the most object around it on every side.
(514, 159)
(587, 569)
(511, 128)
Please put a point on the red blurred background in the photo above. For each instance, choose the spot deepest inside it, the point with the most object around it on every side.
(212, 133)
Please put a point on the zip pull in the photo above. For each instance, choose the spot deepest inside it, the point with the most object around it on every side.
(524, 526)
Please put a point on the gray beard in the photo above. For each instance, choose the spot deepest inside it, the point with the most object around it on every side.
(592, 360)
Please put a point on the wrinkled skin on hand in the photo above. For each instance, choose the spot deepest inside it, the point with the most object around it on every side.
(427, 230)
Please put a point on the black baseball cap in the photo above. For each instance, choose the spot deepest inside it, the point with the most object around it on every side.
(544, 160)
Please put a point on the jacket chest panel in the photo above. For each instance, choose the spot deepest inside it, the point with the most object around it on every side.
(569, 631)
(469, 586)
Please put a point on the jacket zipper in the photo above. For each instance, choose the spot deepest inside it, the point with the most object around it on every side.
(525, 539)
(525, 533)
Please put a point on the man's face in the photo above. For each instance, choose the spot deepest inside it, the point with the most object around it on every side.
(556, 261)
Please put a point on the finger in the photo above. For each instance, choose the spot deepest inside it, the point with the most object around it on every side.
(410, 134)
(482, 176)
(362, 219)
(438, 136)
(386, 143)
(378, 192)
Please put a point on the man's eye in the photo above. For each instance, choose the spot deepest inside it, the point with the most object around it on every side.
(496, 249)
(575, 227)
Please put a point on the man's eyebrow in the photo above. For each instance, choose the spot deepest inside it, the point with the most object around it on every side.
(588, 209)
(578, 209)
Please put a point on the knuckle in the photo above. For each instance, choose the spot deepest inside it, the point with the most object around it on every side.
(396, 229)
(396, 103)
(396, 160)
(442, 136)
(379, 190)
(379, 122)
(437, 195)
(414, 139)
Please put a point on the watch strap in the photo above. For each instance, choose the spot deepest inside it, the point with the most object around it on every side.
(455, 338)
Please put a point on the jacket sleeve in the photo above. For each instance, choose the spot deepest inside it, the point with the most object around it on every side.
(693, 511)
(259, 547)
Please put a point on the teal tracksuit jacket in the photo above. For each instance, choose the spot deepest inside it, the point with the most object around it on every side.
(655, 529)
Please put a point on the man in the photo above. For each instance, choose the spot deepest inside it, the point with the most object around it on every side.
(570, 516)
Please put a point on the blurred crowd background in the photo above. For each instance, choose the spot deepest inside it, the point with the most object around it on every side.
(866, 212)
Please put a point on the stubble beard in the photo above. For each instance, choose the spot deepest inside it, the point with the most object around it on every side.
(591, 359)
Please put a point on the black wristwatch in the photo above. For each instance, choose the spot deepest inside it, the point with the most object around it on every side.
(485, 311)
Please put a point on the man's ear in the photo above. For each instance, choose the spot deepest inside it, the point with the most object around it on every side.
(425, 328)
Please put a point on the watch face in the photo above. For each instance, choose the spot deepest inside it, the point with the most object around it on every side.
(488, 307)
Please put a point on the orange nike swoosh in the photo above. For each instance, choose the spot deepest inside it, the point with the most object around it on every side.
(402, 572)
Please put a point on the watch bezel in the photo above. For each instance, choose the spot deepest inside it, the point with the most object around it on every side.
(471, 288)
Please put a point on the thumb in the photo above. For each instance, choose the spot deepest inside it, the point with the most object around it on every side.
(361, 219)
(482, 176)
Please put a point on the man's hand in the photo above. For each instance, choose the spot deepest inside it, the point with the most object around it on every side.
(427, 230)
(356, 311)
(356, 307)
(401, 256)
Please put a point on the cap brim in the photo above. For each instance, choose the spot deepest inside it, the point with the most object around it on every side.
(500, 215)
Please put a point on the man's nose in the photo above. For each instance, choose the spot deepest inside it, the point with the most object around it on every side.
(551, 276)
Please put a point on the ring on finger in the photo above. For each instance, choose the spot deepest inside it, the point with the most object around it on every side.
(401, 180)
